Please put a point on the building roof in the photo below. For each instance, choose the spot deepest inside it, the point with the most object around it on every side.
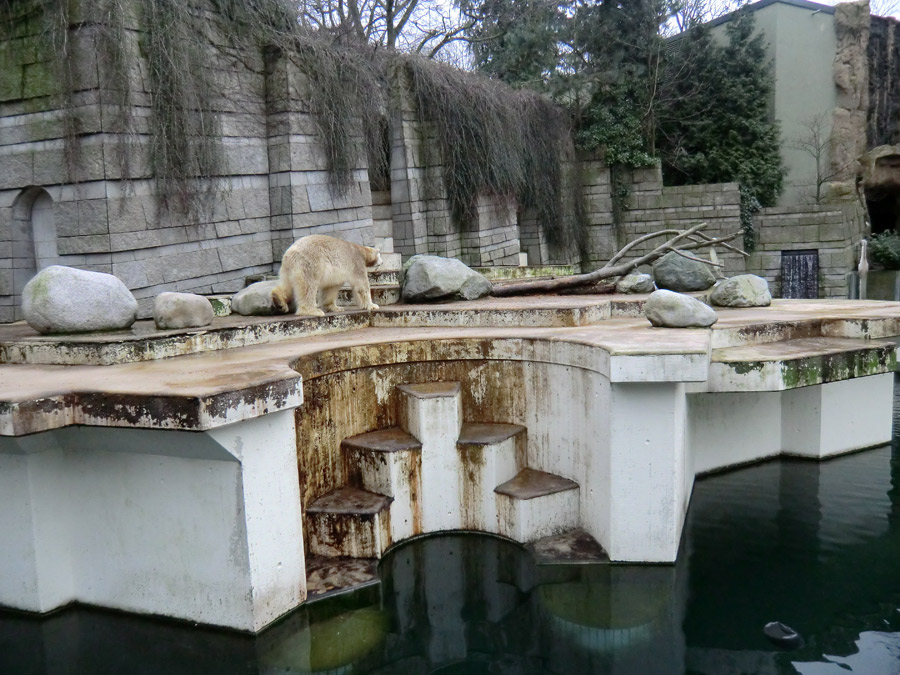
(756, 6)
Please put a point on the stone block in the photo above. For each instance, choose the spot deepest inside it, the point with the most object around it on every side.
(244, 255)
(98, 243)
(189, 265)
(832, 232)
(92, 217)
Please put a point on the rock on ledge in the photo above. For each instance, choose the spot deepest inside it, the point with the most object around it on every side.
(744, 290)
(677, 273)
(181, 310)
(674, 310)
(67, 300)
(431, 277)
(255, 300)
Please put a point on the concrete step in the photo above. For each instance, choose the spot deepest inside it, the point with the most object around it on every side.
(382, 277)
(388, 462)
(385, 275)
(349, 522)
(792, 364)
(432, 412)
(381, 295)
(523, 272)
(490, 454)
(536, 504)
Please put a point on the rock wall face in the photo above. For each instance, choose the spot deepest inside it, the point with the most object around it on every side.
(884, 82)
(851, 80)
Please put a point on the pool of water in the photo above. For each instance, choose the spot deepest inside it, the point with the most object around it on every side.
(814, 545)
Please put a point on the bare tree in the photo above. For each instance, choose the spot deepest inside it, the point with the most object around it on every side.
(816, 140)
(428, 27)
(884, 8)
(685, 14)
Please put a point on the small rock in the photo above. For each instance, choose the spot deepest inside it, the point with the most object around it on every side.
(745, 290)
(677, 273)
(430, 277)
(62, 299)
(181, 310)
(675, 310)
(255, 300)
(635, 283)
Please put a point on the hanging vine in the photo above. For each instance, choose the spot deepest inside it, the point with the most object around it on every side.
(490, 138)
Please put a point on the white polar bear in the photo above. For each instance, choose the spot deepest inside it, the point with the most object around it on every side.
(321, 264)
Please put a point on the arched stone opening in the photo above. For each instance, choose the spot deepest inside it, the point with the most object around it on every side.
(34, 244)
(881, 182)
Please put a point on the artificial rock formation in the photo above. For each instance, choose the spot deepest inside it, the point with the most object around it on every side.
(851, 80)
(668, 309)
(67, 300)
(677, 273)
(430, 277)
(181, 310)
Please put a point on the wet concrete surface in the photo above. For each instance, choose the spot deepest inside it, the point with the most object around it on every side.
(38, 397)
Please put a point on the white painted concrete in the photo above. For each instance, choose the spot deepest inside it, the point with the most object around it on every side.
(267, 449)
(733, 428)
(837, 417)
(489, 465)
(168, 523)
(393, 474)
(647, 464)
(436, 421)
(527, 520)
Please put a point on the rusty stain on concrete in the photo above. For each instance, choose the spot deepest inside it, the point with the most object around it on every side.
(204, 390)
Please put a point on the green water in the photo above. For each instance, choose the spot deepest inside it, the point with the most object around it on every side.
(814, 545)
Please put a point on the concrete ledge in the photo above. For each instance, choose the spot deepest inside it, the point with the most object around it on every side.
(778, 366)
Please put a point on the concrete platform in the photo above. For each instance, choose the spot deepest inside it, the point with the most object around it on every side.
(175, 479)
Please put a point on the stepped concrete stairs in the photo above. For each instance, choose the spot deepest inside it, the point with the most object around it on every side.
(437, 473)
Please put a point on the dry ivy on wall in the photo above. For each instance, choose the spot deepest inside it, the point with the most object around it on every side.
(492, 139)
(500, 140)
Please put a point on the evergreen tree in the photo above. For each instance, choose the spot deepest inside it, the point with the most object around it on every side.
(715, 127)
(517, 42)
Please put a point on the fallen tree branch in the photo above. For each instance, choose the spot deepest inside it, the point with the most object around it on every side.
(614, 268)
(706, 240)
(696, 259)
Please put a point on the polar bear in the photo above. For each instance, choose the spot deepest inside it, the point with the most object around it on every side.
(320, 264)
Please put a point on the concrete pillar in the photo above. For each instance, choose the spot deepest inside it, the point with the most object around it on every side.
(198, 526)
(647, 483)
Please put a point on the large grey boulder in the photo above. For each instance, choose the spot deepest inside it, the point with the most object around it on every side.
(255, 300)
(62, 299)
(745, 290)
(675, 310)
(430, 277)
(677, 273)
(181, 310)
(635, 283)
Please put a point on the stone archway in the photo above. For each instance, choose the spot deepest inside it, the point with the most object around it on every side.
(881, 182)
(33, 237)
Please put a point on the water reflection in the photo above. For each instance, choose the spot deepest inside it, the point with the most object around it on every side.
(815, 545)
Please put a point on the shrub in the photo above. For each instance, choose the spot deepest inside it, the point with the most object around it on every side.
(886, 249)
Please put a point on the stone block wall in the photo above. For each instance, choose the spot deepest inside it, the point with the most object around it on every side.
(650, 207)
(422, 221)
(833, 231)
(273, 184)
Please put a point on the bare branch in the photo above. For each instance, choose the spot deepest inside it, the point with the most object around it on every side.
(607, 271)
